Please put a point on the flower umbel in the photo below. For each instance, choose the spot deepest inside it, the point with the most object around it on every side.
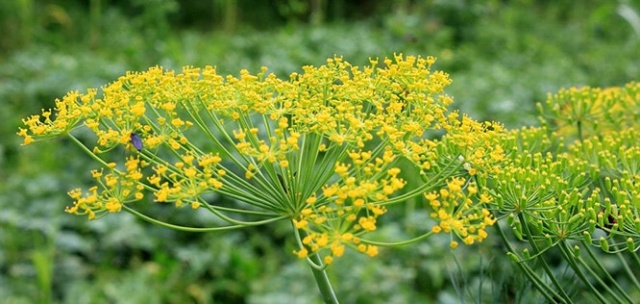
(322, 149)
(333, 148)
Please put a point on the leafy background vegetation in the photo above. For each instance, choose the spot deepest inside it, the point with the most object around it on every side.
(502, 55)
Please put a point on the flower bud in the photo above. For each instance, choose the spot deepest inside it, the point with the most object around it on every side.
(517, 230)
(513, 257)
(604, 244)
(576, 251)
(631, 245)
(587, 237)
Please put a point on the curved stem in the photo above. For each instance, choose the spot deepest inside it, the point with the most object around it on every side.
(323, 282)
(84, 148)
(195, 229)
(401, 243)
(319, 271)
(220, 215)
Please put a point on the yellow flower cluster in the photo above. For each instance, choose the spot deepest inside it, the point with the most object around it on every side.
(348, 208)
(460, 209)
(322, 148)
(480, 146)
(187, 179)
(118, 188)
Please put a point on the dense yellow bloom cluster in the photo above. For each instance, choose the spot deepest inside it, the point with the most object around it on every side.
(348, 209)
(322, 148)
(479, 145)
(117, 189)
(460, 209)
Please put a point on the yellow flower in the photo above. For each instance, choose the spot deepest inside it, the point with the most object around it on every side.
(302, 253)
(113, 205)
(322, 148)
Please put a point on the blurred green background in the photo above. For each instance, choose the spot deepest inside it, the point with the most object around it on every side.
(502, 55)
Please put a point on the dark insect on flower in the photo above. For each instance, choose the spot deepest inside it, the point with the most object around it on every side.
(283, 184)
(136, 141)
(610, 222)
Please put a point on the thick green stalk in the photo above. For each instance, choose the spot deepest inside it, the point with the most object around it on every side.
(328, 295)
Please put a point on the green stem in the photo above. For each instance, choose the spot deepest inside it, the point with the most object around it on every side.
(628, 269)
(319, 272)
(401, 243)
(85, 149)
(196, 229)
(573, 263)
(542, 261)
(326, 290)
(611, 281)
(546, 291)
